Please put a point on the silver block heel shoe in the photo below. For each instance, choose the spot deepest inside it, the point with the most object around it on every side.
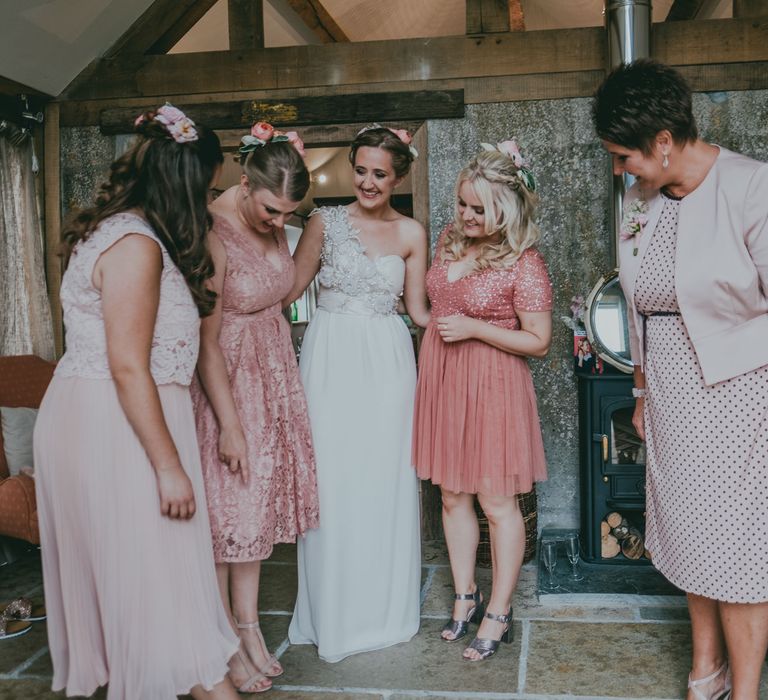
(488, 647)
(459, 628)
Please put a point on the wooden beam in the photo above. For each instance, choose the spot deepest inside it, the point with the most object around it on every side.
(246, 24)
(319, 20)
(516, 16)
(300, 111)
(161, 26)
(52, 183)
(684, 9)
(346, 64)
(750, 8)
(488, 16)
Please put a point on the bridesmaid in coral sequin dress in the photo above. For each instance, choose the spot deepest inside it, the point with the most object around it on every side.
(476, 423)
(252, 423)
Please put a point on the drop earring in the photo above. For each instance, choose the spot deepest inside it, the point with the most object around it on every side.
(665, 161)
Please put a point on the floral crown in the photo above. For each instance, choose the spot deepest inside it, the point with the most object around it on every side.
(402, 134)
(263, 133)
(180, 127)
(511, 150)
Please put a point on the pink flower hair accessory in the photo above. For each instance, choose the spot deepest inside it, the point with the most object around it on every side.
(402, 134)
(180, 127)
(263, 133)
(511, 150)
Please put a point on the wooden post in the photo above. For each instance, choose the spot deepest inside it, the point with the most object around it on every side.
(750, 8)
(487, 16)
(246, 24)
(53, 265)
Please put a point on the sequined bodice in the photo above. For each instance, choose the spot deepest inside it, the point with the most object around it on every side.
(490, 295)
(177, 328)
(350, 281)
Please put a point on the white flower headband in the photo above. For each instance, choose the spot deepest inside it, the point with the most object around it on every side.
(511, 149)
(263, 133)
(402, 134)
(177, 124)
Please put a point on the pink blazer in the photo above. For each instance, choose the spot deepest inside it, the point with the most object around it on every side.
(721, 267)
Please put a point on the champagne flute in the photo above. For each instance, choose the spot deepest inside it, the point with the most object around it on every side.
(573, 549)
(549, 555)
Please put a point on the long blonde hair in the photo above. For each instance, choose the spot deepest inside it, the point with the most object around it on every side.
(509, 209)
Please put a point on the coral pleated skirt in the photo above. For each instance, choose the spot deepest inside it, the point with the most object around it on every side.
(476, 424)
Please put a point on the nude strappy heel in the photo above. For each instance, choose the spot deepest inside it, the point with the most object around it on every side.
(459, 628)
(721, 692)
(250, 685)
(272, 658)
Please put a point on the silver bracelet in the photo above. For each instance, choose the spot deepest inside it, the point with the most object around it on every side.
(638, 393)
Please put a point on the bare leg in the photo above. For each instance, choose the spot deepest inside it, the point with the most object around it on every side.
(746, 635)
(241, 669)
(507, 550)
(462, 534)
(244, 589)
(708, 639)
(221, 691)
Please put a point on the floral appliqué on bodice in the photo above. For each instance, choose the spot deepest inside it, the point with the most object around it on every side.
(350, 281)
(176, 338)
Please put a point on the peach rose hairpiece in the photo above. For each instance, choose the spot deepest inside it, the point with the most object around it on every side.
(263, 133)
(180, 127)
(511, 150)
(402, 134)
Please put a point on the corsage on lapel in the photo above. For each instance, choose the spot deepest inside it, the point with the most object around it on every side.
(633, 222)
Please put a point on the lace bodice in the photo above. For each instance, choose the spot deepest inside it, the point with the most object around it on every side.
(177, 328)
(350, 281)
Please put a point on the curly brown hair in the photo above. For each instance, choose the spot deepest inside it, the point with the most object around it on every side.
(168, 182)
(638, 100)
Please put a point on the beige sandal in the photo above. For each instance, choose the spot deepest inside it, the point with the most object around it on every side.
(12, 623)
(250, 685)
(720, 691)
(272, 659)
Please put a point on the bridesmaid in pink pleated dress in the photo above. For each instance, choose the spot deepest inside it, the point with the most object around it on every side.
(252, 422)
(130, 584)
(476, 424)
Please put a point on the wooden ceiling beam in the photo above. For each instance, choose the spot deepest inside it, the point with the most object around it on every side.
(750, 8)
(161, 27)
(246, 24)
(684, 9)
(319, 20)
(488, 16)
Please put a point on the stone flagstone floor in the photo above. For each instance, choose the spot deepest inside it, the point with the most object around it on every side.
(577, 647)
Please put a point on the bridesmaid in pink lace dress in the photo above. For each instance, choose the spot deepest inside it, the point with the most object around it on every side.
(252, 423)
(476, 424)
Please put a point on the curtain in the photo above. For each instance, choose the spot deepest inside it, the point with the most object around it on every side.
(25, 313)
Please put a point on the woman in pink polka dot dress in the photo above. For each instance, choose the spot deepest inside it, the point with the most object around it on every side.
(694, 269)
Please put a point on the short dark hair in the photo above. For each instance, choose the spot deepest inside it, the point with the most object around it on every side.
(279, 168)
(387, 140)
(638, 100)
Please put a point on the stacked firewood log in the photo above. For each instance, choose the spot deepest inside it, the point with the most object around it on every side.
(618, 535)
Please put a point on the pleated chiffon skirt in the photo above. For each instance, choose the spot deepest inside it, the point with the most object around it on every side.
(132, 595)
(476, 424)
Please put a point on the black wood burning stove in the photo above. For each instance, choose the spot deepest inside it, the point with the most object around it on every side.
(612, 460)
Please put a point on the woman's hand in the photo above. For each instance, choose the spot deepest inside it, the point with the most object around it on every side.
(638, 417)
(455, 328)
(177, 499)
(233, 451)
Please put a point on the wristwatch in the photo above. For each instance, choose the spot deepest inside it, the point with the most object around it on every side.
(638, 393)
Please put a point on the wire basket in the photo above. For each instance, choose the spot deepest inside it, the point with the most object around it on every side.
(528, 507)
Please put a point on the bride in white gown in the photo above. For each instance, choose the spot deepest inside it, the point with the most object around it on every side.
(359, 573)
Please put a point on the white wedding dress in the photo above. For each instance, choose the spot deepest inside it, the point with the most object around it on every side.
(359, 573)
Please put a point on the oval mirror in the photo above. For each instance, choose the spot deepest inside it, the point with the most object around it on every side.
(605, 318)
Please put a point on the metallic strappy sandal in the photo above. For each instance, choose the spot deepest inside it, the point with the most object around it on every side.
(718, 692)
(271, 661)
(487, 647)
(12, 622)
(459, 628)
